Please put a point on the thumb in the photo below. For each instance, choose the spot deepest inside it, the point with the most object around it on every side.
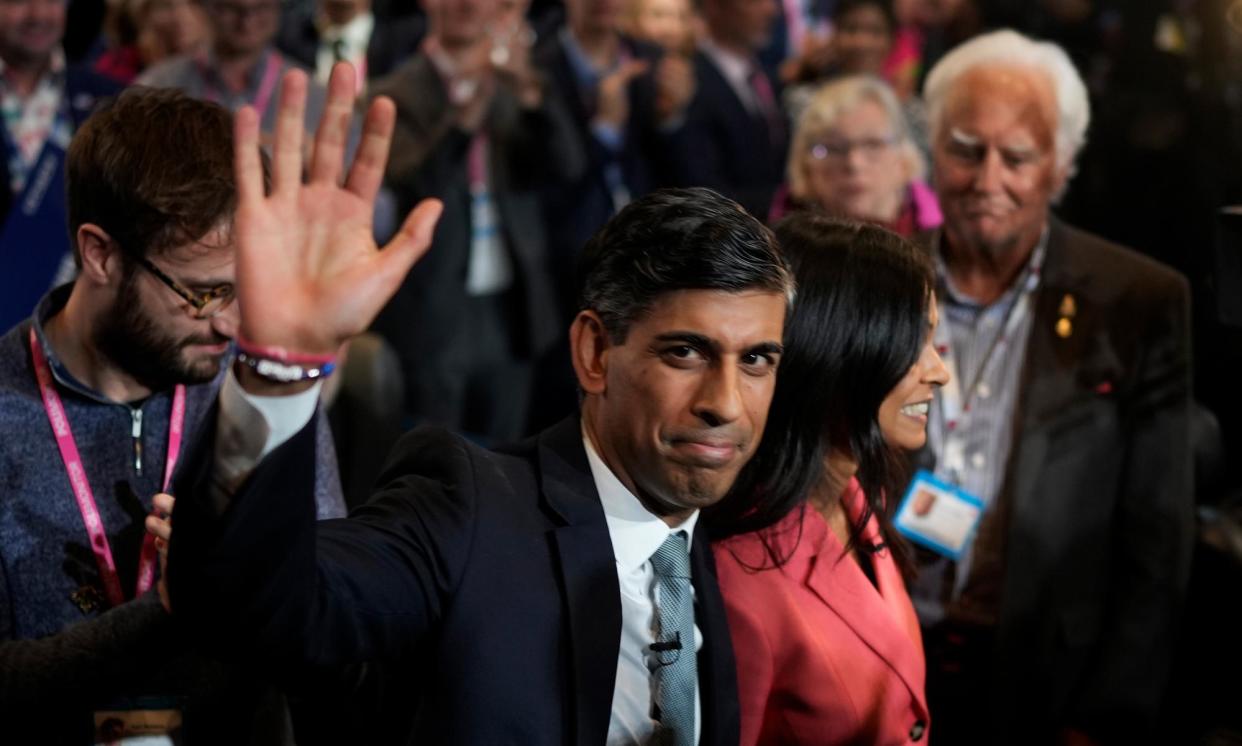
(411, 242)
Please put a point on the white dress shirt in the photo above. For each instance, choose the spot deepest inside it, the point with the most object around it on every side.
(356, 37)
(250, 427)
(636, 534)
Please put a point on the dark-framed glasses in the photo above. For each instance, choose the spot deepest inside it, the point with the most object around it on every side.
(206, 304)
(840, 149)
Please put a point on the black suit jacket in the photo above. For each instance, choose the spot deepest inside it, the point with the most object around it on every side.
(492, 570)
(393, 41)
(727, 148)
(528, 149)
(577, 209)
(1096, 513)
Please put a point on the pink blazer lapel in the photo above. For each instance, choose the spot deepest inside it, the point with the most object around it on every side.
(884, 620)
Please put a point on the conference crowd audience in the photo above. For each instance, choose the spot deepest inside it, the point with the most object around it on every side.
(241, 66)
(144, 32)
(1061, 440)
(44, 99)
(485, 133)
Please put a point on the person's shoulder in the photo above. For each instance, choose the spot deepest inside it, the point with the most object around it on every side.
(405, 82)
(82, 79)
(453, 460)
(758, 558)
(173, 72)
(1112, 265)
(16, 378)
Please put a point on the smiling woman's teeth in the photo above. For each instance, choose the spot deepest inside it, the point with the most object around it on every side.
(916, 410)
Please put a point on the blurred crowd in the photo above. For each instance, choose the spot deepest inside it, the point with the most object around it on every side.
(535, 122)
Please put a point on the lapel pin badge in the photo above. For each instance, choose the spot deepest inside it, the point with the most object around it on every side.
(1068, 310)
(1065, 327)
(1069, 307)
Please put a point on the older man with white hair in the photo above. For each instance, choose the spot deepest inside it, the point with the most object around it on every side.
(1062, 445)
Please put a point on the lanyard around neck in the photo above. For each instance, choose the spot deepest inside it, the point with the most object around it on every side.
(267, 84)
(85, 497)
(955, 399)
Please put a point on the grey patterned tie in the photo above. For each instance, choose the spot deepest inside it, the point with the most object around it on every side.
(676, 673)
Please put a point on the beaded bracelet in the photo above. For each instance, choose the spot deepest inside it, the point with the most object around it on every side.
(274, 370)
(282, 366)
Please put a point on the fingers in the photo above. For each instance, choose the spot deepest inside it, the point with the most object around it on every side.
(247, 166)
(290, 131)
(411, 242)
(164, 503)
(326, 162)
(158, 523)
(620, 78)
(632, 69)
(160, 528)
(367, 173)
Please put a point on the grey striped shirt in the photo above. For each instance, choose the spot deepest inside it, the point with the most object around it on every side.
(985, 348)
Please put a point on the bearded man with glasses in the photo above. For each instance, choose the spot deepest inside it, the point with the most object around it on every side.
(97, 390)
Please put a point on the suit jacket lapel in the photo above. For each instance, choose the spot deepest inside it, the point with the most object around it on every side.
(843, 587)
(717, 669)
(589, 573)
(1057, 368)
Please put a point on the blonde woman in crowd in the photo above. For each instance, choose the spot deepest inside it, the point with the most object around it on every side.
(852, 156)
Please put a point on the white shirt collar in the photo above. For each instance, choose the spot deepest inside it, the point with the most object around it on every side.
(736, 68)
(356, 34)
(636, 532)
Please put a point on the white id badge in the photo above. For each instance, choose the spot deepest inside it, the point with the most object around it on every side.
(938, 515)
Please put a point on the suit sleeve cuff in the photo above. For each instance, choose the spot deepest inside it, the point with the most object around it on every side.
(250, 427)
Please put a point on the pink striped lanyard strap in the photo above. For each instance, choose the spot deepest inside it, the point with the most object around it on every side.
(267, 85)
(476, 163)
(59, 421)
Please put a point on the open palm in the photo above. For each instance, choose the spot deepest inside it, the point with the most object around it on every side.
(309, 274)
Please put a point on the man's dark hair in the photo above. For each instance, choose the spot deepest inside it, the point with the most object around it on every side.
(675, 239)
(153, 168)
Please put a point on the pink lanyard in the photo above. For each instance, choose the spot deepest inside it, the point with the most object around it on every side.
(476, 164)
(82, 489)
(263, 96)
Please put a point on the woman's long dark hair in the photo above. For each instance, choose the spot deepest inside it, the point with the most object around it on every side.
(857, 328)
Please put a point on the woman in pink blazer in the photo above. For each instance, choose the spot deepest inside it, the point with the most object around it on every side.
(826, 640)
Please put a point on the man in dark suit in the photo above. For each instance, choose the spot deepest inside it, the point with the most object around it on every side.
(735, 134)
(348, 30)
(483, 134)
(1067, 419)
(550, 592)
(626, 100)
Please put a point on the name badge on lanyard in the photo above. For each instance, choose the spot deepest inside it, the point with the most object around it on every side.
(82, 492)
(34, 240)
(938, 515)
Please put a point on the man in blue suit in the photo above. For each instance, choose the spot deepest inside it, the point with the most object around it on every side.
(549, 592)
